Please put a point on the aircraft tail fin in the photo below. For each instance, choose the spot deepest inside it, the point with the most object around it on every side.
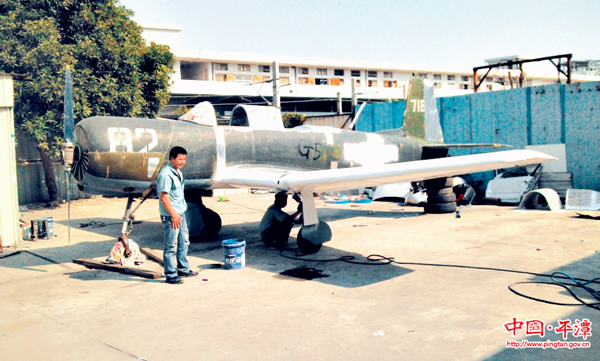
(421, 118)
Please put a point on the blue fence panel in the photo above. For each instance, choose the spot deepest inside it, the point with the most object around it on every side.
(510, 108)
(381, 116)
(546, 116)
(455, 116)
(582, 138)
(483, 119)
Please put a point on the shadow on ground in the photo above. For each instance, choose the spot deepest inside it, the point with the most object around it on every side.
(328, 260)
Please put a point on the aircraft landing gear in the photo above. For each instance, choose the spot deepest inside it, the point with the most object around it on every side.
(203, 223)
(311, 238)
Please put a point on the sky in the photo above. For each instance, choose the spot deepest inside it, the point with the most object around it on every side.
(432, 32)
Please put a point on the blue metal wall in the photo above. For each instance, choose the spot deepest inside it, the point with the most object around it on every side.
(381, 116)
(559, 113)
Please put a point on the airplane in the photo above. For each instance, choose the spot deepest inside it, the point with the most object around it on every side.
(119, 156)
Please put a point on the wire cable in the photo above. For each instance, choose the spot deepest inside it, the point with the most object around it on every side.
(556, 277)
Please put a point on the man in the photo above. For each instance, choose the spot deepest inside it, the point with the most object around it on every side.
(276, 225)
(172, 207)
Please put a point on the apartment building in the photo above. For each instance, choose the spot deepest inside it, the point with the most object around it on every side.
(314, 85)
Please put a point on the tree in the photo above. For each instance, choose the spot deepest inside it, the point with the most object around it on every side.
(291, 120)
(114, 71)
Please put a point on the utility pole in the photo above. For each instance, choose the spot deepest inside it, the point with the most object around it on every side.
(354, 96)
(339, 102)
(276, 97)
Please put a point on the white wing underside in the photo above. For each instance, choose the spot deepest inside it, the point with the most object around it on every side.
(359, 177)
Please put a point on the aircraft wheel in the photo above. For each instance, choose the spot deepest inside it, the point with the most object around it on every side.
(204, 224)
(213, 224)
(307, 246)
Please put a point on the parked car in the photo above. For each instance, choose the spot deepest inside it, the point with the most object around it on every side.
(509, 186)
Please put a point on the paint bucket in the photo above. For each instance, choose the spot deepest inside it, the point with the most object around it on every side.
(45, 228)
(26, 233)
(234, 251)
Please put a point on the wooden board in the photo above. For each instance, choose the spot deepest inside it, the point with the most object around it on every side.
(153, 255)
(90, 263)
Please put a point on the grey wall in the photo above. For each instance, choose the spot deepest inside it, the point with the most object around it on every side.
(30, 175)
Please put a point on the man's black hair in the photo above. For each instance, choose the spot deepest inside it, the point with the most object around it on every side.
(281, 199)
(175, 151)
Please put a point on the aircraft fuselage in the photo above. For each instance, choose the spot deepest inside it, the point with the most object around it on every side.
(119, 156)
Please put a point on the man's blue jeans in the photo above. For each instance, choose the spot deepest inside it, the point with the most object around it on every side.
(175, 239)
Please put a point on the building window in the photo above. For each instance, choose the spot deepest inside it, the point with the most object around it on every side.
(451, 77)
(306, 81)
(387, 74)
(264, 69)
(423, 75)
(220, 77)
(338, 72)
(372, 83)
(321, 71)
(437, 85)
(488, 86)
(355, 72)
(336, 81)
(220, 66)
(390, 84)
(303, 70)
(466, 78)
(372, 74)
(243, 67)
(321, 81)
(437, 76)
(358, 82)
(284, 69)
(284, 80)
(465, 86)
(243, 78)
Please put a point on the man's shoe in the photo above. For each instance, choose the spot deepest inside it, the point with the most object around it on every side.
(189, 273)
(174, 280)
(279, 245)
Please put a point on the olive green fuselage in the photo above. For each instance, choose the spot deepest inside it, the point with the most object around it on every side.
(124, 155)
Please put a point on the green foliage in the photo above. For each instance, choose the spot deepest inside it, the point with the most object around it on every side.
(291, 120)
(182, 109)
(114, 71)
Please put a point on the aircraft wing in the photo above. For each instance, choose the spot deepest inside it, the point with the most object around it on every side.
(359, 177)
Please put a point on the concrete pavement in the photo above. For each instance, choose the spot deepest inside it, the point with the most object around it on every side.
(446, 298)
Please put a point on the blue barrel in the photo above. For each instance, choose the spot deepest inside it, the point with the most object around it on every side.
(234, 251)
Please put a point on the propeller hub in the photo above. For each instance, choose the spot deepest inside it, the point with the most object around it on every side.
(68, 153)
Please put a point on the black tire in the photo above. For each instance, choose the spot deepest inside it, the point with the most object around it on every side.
(203, 223)
(439, 208)
(447, 197)
(306, 246)
(439, 183)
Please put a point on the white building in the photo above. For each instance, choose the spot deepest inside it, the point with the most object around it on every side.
(228, 78)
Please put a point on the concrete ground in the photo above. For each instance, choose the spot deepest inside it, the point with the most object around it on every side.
(445, 298)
